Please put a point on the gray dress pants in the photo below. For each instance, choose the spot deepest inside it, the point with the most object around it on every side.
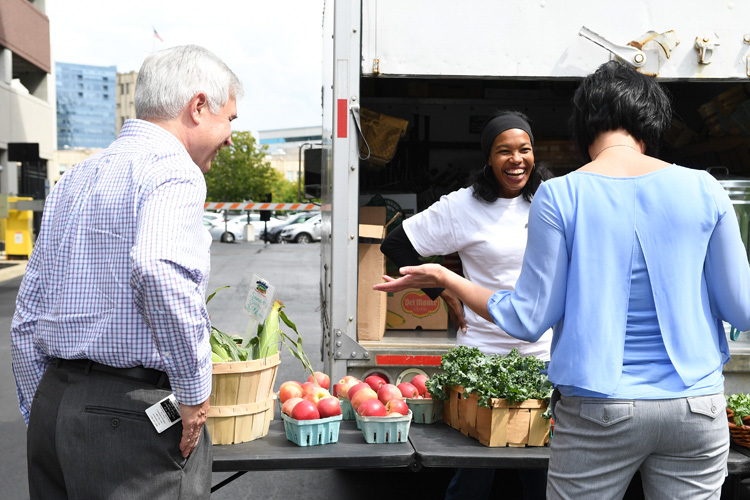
(89, 438)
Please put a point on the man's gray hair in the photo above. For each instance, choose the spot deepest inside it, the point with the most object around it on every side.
(169, 78)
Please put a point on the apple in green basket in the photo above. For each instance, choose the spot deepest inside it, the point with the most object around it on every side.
(388, 392)
(289, 405)
(356, 388)
(397, 406)
(418, 381)
(290, 389)
(305, 410)
(341, 388)
(329, 407)
(375, 381)
(363, 395)
(321, 378)
(408, 390)
(372, 408)
(316, 395)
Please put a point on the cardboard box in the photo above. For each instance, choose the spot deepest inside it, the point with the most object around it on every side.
(413, 309)
(371, 304)
(502, 424)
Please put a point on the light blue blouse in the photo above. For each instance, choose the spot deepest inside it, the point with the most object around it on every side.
(583, 228)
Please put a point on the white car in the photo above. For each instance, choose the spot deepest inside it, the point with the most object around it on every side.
(229, 232)
(304, 232)
(255, 221)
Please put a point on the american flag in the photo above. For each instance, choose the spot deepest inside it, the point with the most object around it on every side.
(157, 35)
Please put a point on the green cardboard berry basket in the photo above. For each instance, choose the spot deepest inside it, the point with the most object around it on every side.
(426, 411)
(312, 432)
(347, 412)
(385, 429)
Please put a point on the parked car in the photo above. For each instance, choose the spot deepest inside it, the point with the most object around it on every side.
(229, 232)
(302, 232)
(258, 225)
(274, 233)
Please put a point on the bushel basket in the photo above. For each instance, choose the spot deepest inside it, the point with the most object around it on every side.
(740, 433)
(242, 401)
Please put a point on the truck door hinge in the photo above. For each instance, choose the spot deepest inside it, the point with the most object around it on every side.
(631, 55)
(344, 347)
(706, 46)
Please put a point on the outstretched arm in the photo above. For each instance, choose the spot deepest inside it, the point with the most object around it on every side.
(473, 296)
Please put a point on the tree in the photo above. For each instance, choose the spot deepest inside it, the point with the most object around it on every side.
(240, 172)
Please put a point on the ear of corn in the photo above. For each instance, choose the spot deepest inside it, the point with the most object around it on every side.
(268, 340)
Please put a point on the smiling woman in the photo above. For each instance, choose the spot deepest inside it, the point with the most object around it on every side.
(486, 224)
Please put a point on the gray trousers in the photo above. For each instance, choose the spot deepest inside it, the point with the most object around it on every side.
(89, 438)
(679, 445)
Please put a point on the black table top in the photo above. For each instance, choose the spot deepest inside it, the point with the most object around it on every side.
(430, 445)
(275, 452)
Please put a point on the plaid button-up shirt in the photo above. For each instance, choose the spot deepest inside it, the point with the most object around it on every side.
(119, 272)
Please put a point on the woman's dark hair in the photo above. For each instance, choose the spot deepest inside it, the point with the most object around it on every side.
(486, 187)
(615, 97)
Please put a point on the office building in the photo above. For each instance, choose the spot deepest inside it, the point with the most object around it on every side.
(27, 99)
(85, 105)
(125, 109)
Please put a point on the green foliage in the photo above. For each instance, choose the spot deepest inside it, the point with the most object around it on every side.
(229, 347)
(512, 377)
(740, 405)
(240, 172)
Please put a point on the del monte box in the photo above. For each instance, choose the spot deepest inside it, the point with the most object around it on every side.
(413, 309)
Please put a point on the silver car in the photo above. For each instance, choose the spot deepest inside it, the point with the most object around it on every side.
(303, 232)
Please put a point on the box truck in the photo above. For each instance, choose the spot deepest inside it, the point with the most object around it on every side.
(408, 84)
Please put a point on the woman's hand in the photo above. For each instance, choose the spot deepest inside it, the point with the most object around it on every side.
(455, 309)
(424, 276)
(473, 296)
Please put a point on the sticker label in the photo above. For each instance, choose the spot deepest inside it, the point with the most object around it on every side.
(259, 299)
(165, 413)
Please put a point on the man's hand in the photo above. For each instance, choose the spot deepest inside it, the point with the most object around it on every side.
(455, 309)
(193, 419)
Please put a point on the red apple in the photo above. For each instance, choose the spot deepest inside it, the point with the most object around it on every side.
(375, 381)
(289, 405)
(419, 382)
(342, 387)
(322, 380)
(305, 410)
(355, 388)
(371, 408)
(290, 389)
(397, 406)
(388, 392)
(408, 390)
(363, 395)
(329, 407)
(318, 394)
(393, 414)
(309, 387)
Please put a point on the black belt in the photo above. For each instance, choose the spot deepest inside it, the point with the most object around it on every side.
(156, 378)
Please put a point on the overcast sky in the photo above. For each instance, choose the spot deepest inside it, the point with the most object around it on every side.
(274, 46)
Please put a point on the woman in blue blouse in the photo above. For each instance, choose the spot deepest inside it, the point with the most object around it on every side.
(635, 262)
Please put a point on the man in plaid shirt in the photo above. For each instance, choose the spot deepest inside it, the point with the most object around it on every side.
(111, 317)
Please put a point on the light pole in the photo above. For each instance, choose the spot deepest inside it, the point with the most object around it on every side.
(299, 170)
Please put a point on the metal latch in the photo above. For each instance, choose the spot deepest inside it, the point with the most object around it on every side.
(631, 55)
(706, 46)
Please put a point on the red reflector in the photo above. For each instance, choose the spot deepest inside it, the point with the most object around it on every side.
(393, 360)
(341, 119)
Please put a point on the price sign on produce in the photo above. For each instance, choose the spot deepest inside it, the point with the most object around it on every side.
(259, 299)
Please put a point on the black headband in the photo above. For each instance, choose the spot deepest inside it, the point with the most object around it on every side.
(500, 124)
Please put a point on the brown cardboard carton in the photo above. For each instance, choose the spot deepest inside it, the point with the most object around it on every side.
(413, 309)
(371, 304)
